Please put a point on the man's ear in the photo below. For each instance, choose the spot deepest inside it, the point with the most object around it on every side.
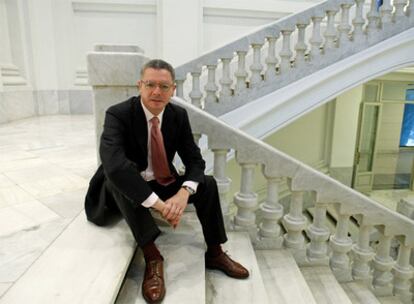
(139, 83)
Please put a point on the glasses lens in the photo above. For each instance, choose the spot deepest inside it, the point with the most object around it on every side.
(149, 85)
(164, 87)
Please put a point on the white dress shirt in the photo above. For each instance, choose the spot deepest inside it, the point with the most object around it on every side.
(148, 174)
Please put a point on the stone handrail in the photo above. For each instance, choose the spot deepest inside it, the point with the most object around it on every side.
(313, 50)
(328, 193)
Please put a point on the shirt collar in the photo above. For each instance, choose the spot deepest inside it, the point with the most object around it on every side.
(149, 115)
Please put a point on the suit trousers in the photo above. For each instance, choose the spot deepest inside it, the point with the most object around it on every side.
(205, 200)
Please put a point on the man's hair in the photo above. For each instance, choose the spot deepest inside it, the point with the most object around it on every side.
(158, 64)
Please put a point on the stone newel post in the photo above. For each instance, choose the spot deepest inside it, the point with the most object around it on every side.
(113, 72)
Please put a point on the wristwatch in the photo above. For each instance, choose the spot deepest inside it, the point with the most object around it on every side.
(189, 189)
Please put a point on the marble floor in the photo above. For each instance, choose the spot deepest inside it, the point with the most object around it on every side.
(45, 166)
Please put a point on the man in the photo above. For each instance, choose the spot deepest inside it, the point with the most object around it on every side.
(140, 139)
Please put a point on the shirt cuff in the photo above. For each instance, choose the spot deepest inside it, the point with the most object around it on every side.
(192, 185)
(150, 201)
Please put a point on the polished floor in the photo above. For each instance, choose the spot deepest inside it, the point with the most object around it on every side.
(45, 166)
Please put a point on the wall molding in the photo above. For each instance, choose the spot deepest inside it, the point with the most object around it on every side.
(240, 13)
(125, 7)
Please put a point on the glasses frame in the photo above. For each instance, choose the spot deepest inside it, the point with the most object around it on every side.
(152, 85)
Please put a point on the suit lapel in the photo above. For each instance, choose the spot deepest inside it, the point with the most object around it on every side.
(140, 126)
(168, 128)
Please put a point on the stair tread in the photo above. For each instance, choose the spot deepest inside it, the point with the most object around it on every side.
(222, 289)
(290, 287)
(389, 300)
(75, 267)
(184, 271)
(359, 293)
(324, 286)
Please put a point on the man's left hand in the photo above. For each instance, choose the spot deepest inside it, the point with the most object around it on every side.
(175, 206)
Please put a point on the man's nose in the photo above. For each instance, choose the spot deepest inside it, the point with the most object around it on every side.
(157, 90)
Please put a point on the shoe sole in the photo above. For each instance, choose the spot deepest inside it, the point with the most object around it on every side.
(227, 273)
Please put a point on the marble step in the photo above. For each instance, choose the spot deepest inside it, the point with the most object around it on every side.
(283, 279)
(324, 286)
(221, 289)
(85, 264)
(359, 293)
(184, 272)
(390, 300)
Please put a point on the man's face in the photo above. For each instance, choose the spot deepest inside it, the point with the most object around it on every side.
(156, 88)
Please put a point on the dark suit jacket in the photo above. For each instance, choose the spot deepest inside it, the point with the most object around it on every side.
(123, 151)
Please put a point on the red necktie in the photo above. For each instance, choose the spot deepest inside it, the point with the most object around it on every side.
(160, 166)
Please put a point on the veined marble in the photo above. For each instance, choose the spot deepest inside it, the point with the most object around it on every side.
(288, 288)
(4, 287)
(183, 251)
(20, 249)
(5, 181)
(324, 286)
(45, 166)
(13, 195)
(222, 289)
(85, 264)
(66, 204)
(24, 216)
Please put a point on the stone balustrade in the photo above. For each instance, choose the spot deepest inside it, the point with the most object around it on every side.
(362, 260)
(287, 50)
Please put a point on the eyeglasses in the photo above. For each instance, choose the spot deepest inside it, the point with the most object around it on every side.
(151, 85)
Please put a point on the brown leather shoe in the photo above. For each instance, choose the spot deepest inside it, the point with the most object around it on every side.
(153, 287)
(224, 263)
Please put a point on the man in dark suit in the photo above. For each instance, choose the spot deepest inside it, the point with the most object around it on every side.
(140, 139)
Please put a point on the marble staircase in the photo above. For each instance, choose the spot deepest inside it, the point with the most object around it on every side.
(285, 67)
(275, 275)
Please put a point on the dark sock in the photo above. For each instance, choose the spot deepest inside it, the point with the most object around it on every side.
(214, 250)
(151, 252)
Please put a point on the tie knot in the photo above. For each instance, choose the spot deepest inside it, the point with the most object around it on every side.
(155, 121)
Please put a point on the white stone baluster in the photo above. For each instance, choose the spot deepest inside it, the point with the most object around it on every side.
(226, 81)
(196, 137)
(358, 21)
(344, 27)
(241, 73)
(386, 14)
(286, 52)
(211, 86)
(373, 18)
(330, 32)
(272, 211)
(256, 67)
(316, 39)
(403, 273)
(362, 254)
(318, 232)
(195, 93)
(223, 182)
(399, 13)
(271, 59)
(301, 46)
(341, 244)
(179, 91)
(410, 9)
(246, 201)
(383, 264)
(295, 222)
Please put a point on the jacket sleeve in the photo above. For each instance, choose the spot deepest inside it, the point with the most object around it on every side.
(190, 153)
(119, 170)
